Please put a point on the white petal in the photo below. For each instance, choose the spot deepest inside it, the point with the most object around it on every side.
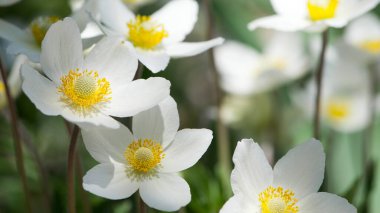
(281, 23)
(41, 91)
(368, 23)
(239, 204)
(294, 8)
(114, 15)
(109, 181)
(178, 18)
(155, 61)
(113, 59)
(105, 143)
(159, 123)
(14, 79)
(167, 192)
(8, 2)
(97, 119)
(29, 49)
(186, 49)
(187, 148)
(14, 34)
(61, 49)
(301, 169)
(358, 8)
(326, 203)
(137, 96)
(252, 173)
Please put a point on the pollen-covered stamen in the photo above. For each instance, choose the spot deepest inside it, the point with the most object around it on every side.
(371, 46)
(322, 9)
(83, 91)
(146, 33)
(278, 200)
(40, 26)
(143, 157)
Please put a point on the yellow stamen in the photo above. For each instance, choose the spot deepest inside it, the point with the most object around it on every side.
(322, 9)
(371, 46)
(40, 26)
(143, 156)
(278, 200)
(84, 91)
(337, 110)
(146, 33)
(2, 87)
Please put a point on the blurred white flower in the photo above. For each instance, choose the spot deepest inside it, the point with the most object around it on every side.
(147, 161)
(28, 41)
(155, 38)
(89, 90)
(296, 15)
(8, 2)
(291, 186)
(364, 34)
(133, 4)
(245, 71)
(345, 100)
(14, 80)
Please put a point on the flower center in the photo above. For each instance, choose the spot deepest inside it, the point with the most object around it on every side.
(278, 200)
(82, 91)
(371, 46)
(143, 157)
(322, 9)
(40, 26)
(337, 110)
(2, 87)
(146, 33)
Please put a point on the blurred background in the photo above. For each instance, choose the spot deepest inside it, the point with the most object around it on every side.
(277, 116)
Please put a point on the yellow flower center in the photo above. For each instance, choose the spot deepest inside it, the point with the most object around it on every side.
(337, 110)
(2, 87)
(371, 46)
(143, 157)
(322, 9)
(146, 33)
(278, 200)
(40, 26)
(83, 90)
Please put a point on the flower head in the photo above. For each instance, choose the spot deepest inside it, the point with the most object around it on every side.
(312, 14)
(157, 37)
(91, 89)
(148, 160)
(290, 187)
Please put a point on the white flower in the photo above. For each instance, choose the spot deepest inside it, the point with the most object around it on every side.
(364, 34)
(293, 15)
(8, 2)
(158, 37)
(245, 71)
(14, 80)
(345, 104)
(28, 41)
(291, 186)
(147, 161)
(90, 89)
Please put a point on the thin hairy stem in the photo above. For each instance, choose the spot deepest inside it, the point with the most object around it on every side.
(70, 171)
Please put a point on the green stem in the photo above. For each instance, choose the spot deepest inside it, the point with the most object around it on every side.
(70, 171)
(16, 138)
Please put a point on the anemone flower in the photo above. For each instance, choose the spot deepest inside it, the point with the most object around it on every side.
(91, 89)
(290, 187)
(147, 161)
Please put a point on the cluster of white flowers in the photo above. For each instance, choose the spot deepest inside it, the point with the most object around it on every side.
(83, 68)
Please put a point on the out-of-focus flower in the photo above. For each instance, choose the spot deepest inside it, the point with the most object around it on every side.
(8, 2)
(89, 90)
(137, 3)
(312, 14)
(245, 71)
(364, 34)
(345, 100)
(155, 38)
(14, 80)
(148, 161)
(291, 186)
(28, 41)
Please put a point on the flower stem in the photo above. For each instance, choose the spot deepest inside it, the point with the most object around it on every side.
(16, 138)
(142, 206)
(224, 155)
(70, 171)
(318, 81)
